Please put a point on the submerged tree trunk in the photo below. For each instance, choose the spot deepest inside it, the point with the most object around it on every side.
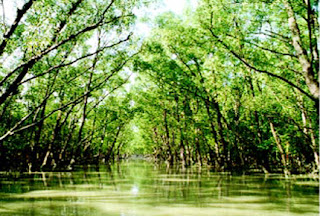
(170, 158)
(198, 149)
(49, 152)
(225, 159)
(110, 149)
(308, 131)
(282, 153)
(217, 159)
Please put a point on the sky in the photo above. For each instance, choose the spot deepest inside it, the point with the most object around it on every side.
(176, 6)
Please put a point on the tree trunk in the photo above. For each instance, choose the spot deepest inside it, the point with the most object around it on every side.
(217, 158)
(170, 158)
(225, 160)
(109, 152)
(282, 153)
(302, 54)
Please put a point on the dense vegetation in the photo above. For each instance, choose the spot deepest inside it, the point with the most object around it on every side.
(232, 84)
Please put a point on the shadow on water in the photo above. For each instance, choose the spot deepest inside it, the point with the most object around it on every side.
(142, 188)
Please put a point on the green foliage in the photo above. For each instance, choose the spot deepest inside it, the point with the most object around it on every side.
(216, 88)
(225, 85)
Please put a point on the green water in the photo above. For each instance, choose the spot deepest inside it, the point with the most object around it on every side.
(141, 188)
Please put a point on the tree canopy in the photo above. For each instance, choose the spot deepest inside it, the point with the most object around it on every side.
(231, 84)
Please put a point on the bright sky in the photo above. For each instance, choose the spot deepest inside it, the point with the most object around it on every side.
(8, 10)
(176, 6)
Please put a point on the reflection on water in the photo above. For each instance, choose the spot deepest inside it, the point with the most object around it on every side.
(141, 188)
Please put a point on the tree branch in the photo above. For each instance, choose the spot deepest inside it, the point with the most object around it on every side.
(258, 70)
(20, 14)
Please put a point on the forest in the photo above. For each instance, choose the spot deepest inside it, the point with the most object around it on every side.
(232, 84)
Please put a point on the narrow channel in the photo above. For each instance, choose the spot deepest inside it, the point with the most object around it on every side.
(141, 188)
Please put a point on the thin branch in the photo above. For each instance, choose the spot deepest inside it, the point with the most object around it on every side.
(264, 48)
(64, 22)
(181, 60)
(273, 36)
(29, 64)
(277, 34)
(76, 60)
(104, 97)
(258, 70)
(10, 132)
(20, 14)
(74, 102)
(118, 68)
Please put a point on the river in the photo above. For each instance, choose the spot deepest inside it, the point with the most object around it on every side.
(142, 188)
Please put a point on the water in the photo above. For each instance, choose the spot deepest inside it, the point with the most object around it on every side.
(141, 188)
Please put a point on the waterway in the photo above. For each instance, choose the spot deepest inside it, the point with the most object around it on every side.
(140, 188)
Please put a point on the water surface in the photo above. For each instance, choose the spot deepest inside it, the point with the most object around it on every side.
(142, 188)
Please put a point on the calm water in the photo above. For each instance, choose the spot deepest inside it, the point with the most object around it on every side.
(140, 188)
